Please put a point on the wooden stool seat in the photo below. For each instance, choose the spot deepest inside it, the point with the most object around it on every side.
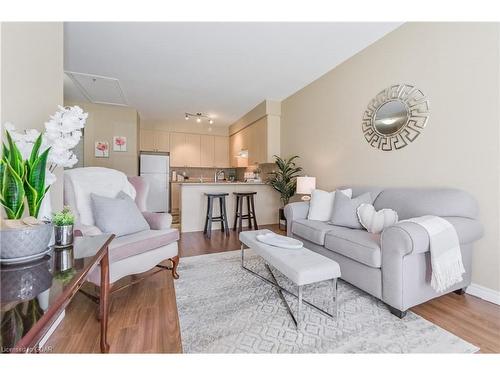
(210, 218)
(250, 215)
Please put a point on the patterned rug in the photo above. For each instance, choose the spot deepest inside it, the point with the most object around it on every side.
(225, 309)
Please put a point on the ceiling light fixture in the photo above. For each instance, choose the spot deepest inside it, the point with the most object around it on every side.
(199, 116)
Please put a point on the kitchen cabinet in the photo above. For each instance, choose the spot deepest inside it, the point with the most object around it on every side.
(199, 150)
(147, 140)
(175, 194)
(235, 146)
(177, 149)
(162, 140)
(185, 150)
(207, 151)
(154, 140)
(254, 138)
(193, 150)
(221, 152)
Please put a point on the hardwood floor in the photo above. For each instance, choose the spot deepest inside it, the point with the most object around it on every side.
(143, 317)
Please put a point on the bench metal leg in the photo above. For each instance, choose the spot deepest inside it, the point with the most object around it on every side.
(299, 306)
(274, 282)
(335, 301)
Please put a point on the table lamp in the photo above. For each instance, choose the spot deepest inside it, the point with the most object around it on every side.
(305, 185)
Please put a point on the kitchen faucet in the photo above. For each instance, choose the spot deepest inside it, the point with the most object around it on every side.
(217, 172)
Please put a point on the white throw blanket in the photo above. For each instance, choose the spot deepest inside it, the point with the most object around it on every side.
(446, 258)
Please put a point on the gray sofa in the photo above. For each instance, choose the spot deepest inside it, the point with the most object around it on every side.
(393, 266)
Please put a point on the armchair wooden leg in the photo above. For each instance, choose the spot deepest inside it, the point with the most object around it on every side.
(175, 263)
(460, 291)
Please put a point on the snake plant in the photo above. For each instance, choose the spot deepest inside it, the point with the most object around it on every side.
(22, 178)
(12, 172)
(34, 181)
(284, 179)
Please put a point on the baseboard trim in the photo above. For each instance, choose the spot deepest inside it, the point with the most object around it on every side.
(482, 292)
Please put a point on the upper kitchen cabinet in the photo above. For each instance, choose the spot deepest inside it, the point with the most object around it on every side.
(162, 141)
(154, 140)
(147, 140)
(221, 151)
(199, 150)
(256, 135)
(207, 151)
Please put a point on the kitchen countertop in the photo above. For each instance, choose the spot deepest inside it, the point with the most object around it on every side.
(219, 183)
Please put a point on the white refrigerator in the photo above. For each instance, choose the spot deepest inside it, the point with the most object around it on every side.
(155, 169)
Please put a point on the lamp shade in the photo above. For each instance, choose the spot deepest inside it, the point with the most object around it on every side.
(305, 185)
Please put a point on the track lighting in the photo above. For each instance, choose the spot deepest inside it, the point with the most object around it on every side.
(199, 117)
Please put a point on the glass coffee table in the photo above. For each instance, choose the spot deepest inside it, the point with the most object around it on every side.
(34, 294)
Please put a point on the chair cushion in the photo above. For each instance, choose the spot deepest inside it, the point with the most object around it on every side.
(140, 242)
(357, 244)
(312, 230)
(119, 215)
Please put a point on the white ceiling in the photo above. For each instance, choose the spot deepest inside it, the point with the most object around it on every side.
(223, 69)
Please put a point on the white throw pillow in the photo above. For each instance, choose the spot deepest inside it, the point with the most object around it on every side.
(376, 221)
(321, 204)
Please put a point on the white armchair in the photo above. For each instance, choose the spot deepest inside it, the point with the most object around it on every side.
(129, 254)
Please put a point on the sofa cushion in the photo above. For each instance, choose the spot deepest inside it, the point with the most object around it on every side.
(311, 230)
(357, 244)
(344, 210)
(321, 204)
(140, 242)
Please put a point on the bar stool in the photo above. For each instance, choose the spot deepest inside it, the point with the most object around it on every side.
(223, 214)
(250, 215)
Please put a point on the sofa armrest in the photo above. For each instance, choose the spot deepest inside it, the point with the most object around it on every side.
(295, 211)
(404, 238)
(410, 238)
(158, 220)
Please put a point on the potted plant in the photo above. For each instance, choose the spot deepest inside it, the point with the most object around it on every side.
(22, 180)
(283, 180)
(27, 164)
(63, 226)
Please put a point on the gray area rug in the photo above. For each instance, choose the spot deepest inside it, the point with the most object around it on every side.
(225, 309)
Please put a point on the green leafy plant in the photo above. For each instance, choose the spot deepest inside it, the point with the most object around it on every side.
(12, 175)
(284, 179)
(22, 178)
(64, 217)
(34, 181)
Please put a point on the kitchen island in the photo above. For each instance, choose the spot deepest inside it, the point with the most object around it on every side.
(193, 203)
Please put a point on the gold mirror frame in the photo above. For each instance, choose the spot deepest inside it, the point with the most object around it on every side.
(417, 107)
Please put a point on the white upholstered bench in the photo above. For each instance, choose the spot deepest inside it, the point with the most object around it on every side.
(301, 266)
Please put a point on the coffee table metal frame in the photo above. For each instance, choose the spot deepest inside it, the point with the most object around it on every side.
(280, 289)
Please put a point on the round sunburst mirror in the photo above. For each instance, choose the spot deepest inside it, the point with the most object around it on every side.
(395, 117)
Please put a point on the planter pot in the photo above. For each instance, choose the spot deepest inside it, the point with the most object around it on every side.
(63, 235)
(24, 242)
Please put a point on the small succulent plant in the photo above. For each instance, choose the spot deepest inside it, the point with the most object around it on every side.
(64, 217)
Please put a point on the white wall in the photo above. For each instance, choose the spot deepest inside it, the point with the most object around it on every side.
(103, 123)
(457, 65)
(32, 78)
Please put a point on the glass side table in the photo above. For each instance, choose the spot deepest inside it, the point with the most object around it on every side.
(34, 294)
